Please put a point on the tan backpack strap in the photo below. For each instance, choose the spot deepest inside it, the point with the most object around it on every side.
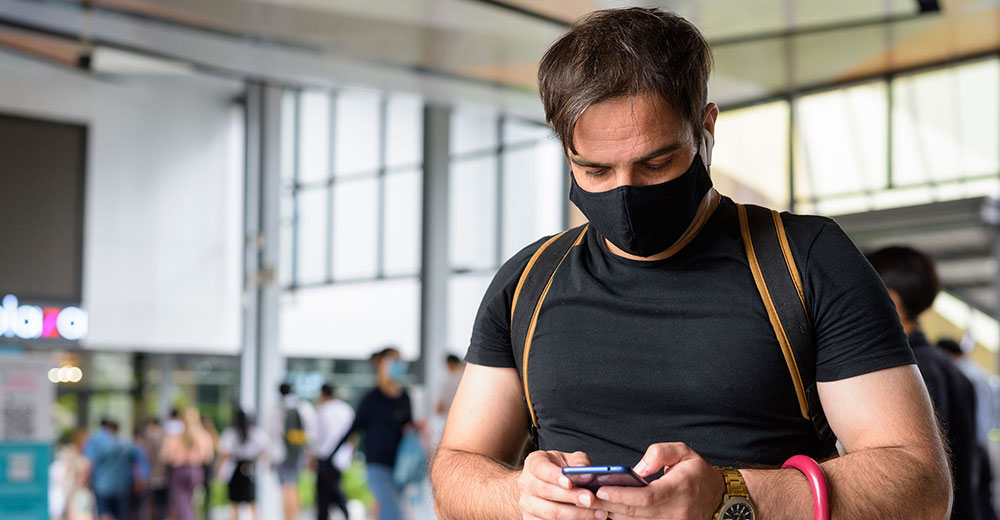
(530, 294)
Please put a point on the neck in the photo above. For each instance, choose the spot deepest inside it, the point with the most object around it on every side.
(388, 386)
(910, 326)
(705, 210)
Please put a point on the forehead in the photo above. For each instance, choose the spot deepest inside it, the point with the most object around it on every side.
(628, 123)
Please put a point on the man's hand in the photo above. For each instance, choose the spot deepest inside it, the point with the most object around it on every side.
(545, 493)
(690, 488)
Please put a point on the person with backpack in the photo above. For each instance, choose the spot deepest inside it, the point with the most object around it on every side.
(241, 447)
(712, 348)
(333, 451)
(292, 427)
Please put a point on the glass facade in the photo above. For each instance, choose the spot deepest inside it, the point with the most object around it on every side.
(924, 136)
(352, 208)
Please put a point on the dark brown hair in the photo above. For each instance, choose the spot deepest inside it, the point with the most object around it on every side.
(911, 274)
(625, 52)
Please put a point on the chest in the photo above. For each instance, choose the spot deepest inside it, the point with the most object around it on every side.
(684, 345)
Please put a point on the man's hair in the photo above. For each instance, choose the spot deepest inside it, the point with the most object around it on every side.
(285, 389)
(452, 359)
(911, 274)
(326, 390)
(625, 52)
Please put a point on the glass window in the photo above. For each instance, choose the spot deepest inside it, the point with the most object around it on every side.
(358, 139)
(534, 195)
(472, 214)
(288, 122)
(355, 229)
(841, 141)
(404, 143)
(313, 238)
(516, 131)
(750, 157)
(314, 136)
(351, 320)
(472, 131)
(465, 291)
(940, 131)
(403, 223)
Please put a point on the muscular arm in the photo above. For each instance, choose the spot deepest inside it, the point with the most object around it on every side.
(895, 466)
(474, 473)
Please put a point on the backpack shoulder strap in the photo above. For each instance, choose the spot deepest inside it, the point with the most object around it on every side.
(777, 278)
(529, 296)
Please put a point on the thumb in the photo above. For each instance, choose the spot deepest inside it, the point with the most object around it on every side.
(577, 458)
(661, 456)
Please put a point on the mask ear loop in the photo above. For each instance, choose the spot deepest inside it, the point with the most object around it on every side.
(708, 142)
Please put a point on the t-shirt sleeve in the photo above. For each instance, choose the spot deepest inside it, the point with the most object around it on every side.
(857, 329)
(490, 343)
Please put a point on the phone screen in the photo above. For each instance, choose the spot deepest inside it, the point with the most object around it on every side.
(594, 477)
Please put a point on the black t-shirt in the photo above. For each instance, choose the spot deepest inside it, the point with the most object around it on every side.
(382, 418)
(955, 403)
(631, 353)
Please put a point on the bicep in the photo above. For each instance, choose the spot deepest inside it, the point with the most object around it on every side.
(488, 416)
(887, 408)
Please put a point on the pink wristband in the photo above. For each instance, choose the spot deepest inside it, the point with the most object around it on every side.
(817, 481)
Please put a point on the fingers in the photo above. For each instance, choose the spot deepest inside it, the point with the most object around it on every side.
(535, 507)
(660, 456)
(577, 458)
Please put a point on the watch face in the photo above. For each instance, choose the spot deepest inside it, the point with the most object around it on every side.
(738, 511)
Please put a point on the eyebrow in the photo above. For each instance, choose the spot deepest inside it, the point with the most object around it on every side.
(664, 150)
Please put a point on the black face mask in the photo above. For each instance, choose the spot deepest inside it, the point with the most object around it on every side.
(645, 220)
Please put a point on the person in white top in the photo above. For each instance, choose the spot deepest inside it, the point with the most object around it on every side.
(241, 446)
(333, 453)
(292, 428)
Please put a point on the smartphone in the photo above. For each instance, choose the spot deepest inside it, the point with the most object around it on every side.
(593, 477)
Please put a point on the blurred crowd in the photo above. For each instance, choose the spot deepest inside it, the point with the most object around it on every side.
(166, 469)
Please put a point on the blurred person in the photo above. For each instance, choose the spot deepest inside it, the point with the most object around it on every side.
(292, 427)
(382, 416)
(913, 284)
(186, 452)
(655, 347)
(449, 384)
(174, 424)
(113, 464)
(140, 504)
(213, 432)
(158, 478)
(72, 499)
(333, 453)
(241, 447)
(986, 400)
(985, 403)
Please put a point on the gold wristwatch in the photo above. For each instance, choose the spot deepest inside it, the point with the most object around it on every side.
(736, 503)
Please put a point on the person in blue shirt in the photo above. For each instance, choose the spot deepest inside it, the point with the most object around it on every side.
(112, 465)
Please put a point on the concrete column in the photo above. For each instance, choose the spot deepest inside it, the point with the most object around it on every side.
(262, 366)
(435, 264)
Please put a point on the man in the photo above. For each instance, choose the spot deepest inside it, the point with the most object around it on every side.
(113, 463)
(383, 414)
(334, 419)
(913, 285)
(653, 346)
(292, 425)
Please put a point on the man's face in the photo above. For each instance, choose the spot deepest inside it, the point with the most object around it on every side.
(634, 141)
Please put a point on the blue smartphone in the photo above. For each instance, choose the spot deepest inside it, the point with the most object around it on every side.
(593, 477)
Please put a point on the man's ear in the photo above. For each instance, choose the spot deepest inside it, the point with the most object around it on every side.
(708, 129)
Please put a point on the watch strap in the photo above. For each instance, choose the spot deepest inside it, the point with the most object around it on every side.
(735, 485)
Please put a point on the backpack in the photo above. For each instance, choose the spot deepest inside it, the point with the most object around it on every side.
(295, 435)
(775, 275)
